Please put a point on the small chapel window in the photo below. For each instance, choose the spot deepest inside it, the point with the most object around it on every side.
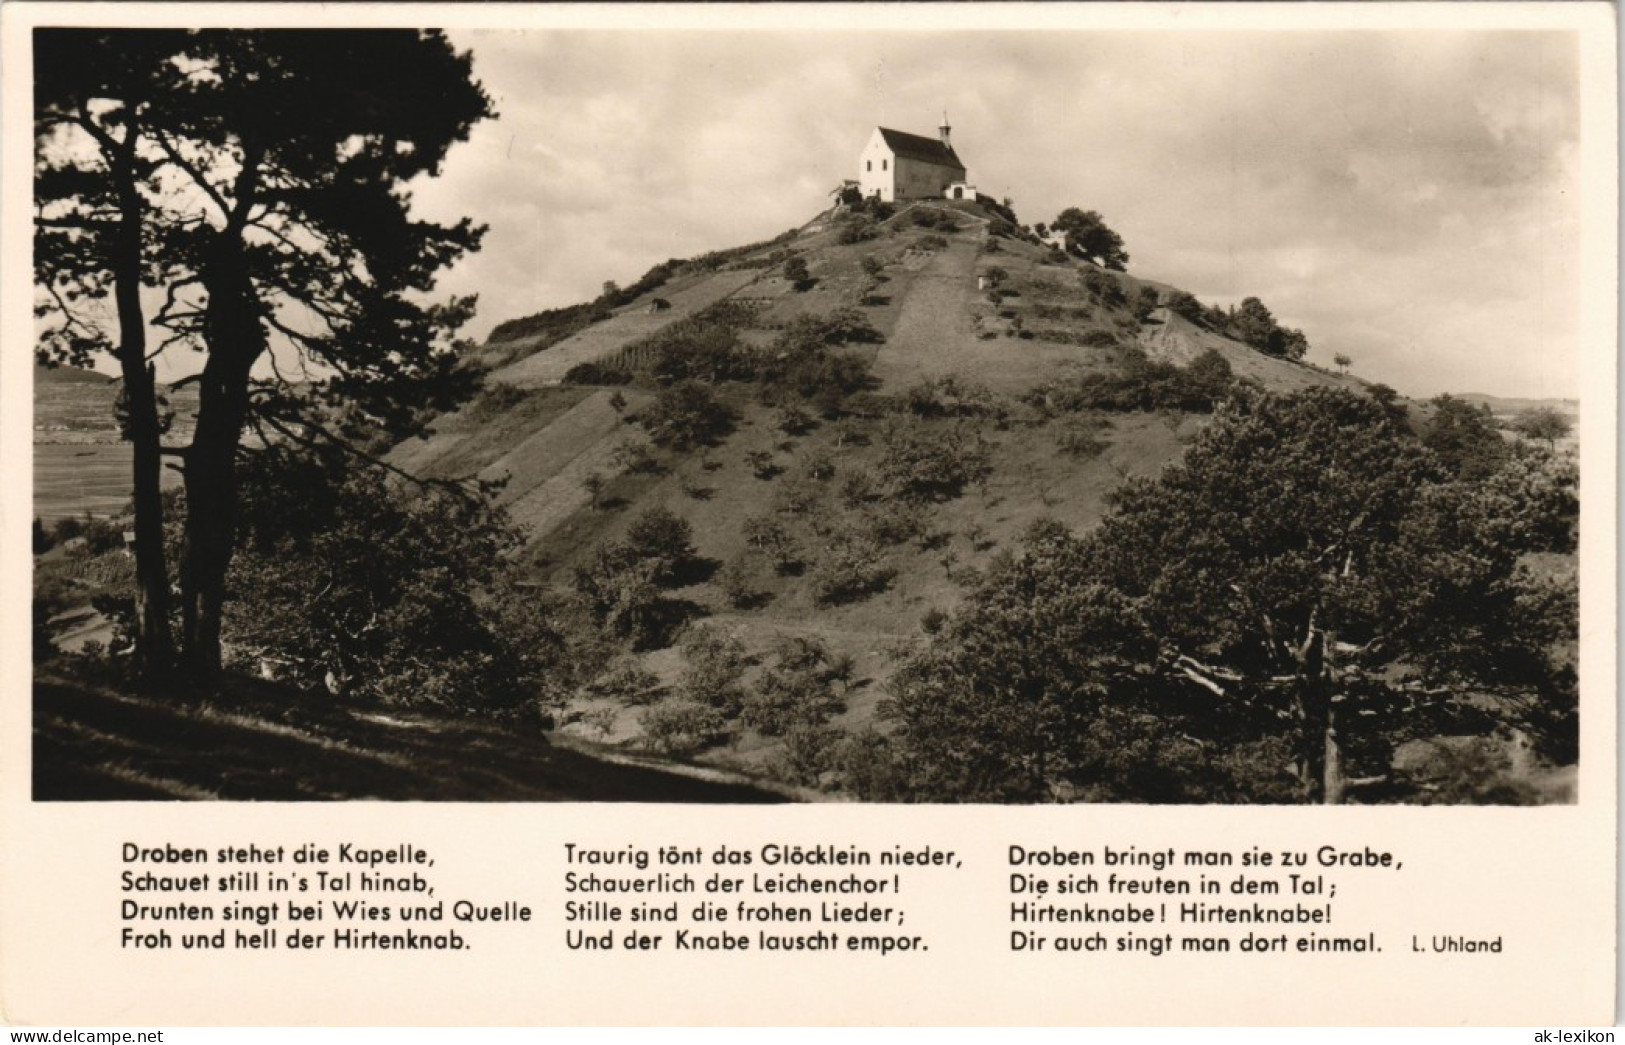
(882, 164)
(868, 165)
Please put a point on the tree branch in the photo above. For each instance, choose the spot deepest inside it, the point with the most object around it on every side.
(69, 321)
(107, 142)
(163, 314)
(1205, 683)
(1205, 675)
(196, 175)
(94, 225)
(460, 485)
(247, 181)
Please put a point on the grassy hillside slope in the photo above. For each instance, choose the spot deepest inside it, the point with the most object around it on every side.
(976, 322)
(1057, 380)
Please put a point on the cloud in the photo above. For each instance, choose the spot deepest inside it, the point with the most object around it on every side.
(1407, 198)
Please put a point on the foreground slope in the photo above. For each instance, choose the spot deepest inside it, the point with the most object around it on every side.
(256, 740)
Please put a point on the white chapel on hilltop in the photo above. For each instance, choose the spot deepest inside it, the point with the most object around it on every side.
(896, 165)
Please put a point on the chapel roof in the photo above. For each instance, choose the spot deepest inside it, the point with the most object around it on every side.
(917, 147)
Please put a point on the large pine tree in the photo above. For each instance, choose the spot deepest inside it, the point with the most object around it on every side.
(267, 174)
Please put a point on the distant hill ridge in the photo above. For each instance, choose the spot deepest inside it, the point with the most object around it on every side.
(68, 375)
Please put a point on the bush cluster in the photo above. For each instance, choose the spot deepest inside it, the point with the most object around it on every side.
(622, 583)
(798, 688)
(591, 373)
(922, 464)
(1142, 384)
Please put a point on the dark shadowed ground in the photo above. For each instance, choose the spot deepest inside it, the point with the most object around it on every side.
(93, 742)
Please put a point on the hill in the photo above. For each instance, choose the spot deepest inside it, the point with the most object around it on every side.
(748, 488)
(1050, 376)
(68, 375)
(1506, 407)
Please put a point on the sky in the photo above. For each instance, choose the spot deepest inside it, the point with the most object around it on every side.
(1409, 199)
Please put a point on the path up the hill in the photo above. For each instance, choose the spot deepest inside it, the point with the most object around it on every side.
(933, 336)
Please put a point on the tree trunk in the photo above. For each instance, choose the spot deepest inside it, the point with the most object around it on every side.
(1333, 785)
(235, 340)
(1320, 754)
(210, 532)
(1309, 711)
(1312, 708)
(154, 645)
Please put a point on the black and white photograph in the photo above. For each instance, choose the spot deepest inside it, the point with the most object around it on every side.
(915, 416)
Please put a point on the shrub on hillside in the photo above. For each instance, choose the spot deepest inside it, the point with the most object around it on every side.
(663, 540)
(496, 399)
(702, 347)
(634, 455)
(1081, 439)
(1145, 302)
(596, 374)
(793, 420)
(797, 496)
(860, 231)
(686, 415)
(741, 582)
(853, 568)
(621, 584)
(797, 690)
(1543, 423)
(807, 754)
(818, 466)
(399, 594)
(678, 726)
(713, 666)
(804, 362)
(844, 326)
(871, 768)
(770, 536)
(621, 594)
(1088, 237)
(1143, 384)
(1253, 324)
(627, 682)
(924, 464)
(894, 521)
(1104, 288)
(1464, 437)
(1183, 303)
(859, 486)
(951, 397)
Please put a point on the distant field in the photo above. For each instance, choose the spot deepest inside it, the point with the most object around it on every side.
(80, 464)
(74, 478)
